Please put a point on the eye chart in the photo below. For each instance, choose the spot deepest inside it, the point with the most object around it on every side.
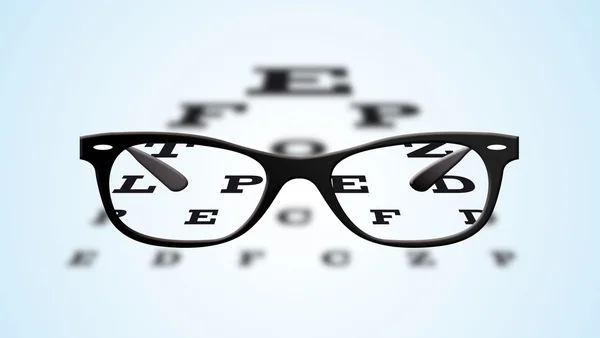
(300, 79)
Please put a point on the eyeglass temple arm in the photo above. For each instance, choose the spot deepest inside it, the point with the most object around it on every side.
(426, 178)
(166, 174)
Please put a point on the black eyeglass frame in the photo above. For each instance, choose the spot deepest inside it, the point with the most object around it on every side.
(280, 169)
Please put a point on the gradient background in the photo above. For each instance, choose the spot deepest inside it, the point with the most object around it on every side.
(71, 68)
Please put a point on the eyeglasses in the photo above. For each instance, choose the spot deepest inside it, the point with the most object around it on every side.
(180, 190)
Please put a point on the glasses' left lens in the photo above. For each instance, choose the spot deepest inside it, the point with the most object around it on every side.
(185, 192)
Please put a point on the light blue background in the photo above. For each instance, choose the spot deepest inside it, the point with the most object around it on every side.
(71, 68)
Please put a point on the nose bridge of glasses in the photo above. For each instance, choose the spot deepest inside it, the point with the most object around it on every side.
(312, 169)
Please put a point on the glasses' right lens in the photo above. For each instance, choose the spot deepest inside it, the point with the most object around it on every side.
(412, 191)
(185, 192)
